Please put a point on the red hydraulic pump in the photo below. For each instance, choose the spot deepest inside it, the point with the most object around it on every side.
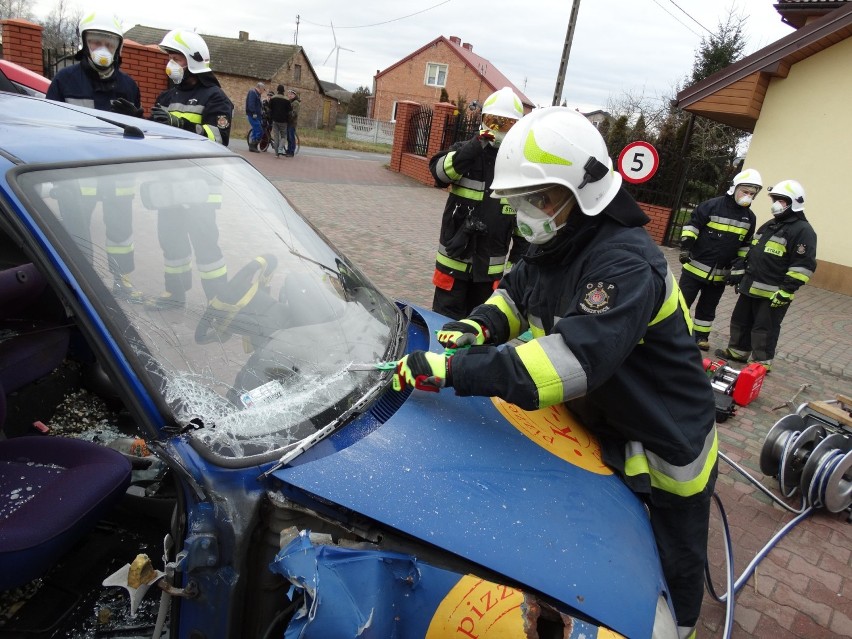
(733, 387)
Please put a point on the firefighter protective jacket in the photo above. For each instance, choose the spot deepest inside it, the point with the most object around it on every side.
(719, 231)
(205, 108)
(782, 256)
(612, 341)
(80, 84)
(477, 230)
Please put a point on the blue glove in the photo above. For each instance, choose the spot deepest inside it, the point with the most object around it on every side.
(463, 333)
(781, 298)
(424, 371)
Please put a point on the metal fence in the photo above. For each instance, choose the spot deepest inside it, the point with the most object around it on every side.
(418, 134)
(460, 127)
(369, 130)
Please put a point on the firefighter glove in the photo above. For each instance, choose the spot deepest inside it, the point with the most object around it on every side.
(485, 136)
(684, 256)
(461, 334)
(161, 115)
(126, 107)
(781, 298)
(424, 371)
(733, 279)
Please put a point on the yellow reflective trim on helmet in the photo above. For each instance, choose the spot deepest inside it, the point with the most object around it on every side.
(534, 153)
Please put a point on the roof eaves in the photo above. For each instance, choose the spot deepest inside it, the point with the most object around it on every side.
(769, 58)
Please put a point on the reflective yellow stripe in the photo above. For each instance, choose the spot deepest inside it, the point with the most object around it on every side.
(469, 194)
(119, 250)
(542, 372)
(798, 276)
(449, 169)
(451, 263)
(195, 118)
(728, 228)
(639, 465)
(498, 300)
(496, 269)
(774, 248)
(88, 190)
(212, 275)
(671, 303)
(214, 198)
(184, 268)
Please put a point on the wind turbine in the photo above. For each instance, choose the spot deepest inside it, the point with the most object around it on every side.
(336, 51)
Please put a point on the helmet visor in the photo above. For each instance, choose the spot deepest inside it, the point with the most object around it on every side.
(101, 39)
(747, 189)
(497, 122)
(541, 203)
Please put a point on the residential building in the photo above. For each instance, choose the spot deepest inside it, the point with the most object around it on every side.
(239, 63)
(793, 96)
(444, 64)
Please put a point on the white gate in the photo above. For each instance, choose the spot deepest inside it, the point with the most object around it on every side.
(369, 130)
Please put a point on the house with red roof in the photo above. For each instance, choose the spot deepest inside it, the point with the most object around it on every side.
(442, 64)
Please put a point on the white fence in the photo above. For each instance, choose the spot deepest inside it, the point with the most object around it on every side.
(369, 130)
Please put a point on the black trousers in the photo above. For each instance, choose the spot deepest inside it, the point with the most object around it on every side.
(458, 302)
(681, 535)
(708, 294)
(756, 326)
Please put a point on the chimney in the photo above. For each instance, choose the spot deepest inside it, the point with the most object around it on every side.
(244, 36)
(468, 46)
(455, 40)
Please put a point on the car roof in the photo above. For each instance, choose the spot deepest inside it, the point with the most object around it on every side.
(34, 130)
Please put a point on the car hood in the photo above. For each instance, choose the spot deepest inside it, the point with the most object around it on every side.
(521, 493)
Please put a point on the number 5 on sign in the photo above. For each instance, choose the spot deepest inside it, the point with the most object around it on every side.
(638, 162)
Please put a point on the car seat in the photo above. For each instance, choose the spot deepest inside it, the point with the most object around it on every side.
(52, 489)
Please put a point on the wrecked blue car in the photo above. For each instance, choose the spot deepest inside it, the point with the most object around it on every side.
(198, 441)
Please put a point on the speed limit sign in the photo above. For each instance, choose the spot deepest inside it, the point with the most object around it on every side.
(638, 162)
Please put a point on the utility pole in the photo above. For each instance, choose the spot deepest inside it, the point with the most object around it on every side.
(563, 64)
(297, 29)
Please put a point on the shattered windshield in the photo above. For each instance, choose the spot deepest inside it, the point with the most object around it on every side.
(242, 317)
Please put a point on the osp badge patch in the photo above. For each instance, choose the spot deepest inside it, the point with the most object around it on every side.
(599, 298)
(800, 249)
(222, 122)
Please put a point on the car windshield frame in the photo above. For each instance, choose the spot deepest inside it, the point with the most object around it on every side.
(259, 363)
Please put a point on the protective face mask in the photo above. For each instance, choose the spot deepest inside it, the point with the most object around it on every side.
(537, 227)
(778, 208)
(101, 57)
(745, 200)
(498, 138)
(174, 71)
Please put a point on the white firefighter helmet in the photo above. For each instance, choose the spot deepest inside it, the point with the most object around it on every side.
(192, 46)
(503, 103)
(790, 190)
(110, 28)
(556, 145)
(746, 176)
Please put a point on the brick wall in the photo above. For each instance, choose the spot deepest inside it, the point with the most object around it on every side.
(407, 81)
(659, 221)
(147, 65)
(22, 44)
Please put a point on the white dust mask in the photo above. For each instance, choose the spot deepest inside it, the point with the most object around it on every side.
(778, 208)
(745, 200)
(534, 225)
(102, 57)
(174, 71)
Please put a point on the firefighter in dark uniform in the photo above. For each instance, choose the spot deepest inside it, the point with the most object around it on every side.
(781, 259)
(476, 230)
(97, 82)
(195, 103)
(611, 336)
(716, 236)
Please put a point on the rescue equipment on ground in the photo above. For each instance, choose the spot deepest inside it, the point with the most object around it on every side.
(733, 387)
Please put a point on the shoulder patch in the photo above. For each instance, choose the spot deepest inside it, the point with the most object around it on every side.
(599, 298)
(222, 122)
(801, 249)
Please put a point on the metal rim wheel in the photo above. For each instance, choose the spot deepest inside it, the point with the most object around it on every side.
(798, 453)
(838, 490)
(826, 447)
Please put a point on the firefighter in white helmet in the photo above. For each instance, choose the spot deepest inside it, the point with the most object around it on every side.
(195, 102)
(712, 247)
(477, 232)
(780, 260)
(611, 338)
(97, 82)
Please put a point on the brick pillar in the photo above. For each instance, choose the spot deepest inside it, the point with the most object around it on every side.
(147, 65)
(404, 111)
(22, 43)
(439, 121)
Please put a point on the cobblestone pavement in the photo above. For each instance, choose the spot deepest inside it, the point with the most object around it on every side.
(388, 225)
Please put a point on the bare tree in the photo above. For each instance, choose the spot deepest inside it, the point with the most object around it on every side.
(16, 9)
(60, 26)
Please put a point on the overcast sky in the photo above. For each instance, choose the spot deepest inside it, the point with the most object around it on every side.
(636, 46)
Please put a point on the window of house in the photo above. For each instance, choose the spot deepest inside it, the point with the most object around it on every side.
(297, 72)
(436, 74)
(393, 111)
